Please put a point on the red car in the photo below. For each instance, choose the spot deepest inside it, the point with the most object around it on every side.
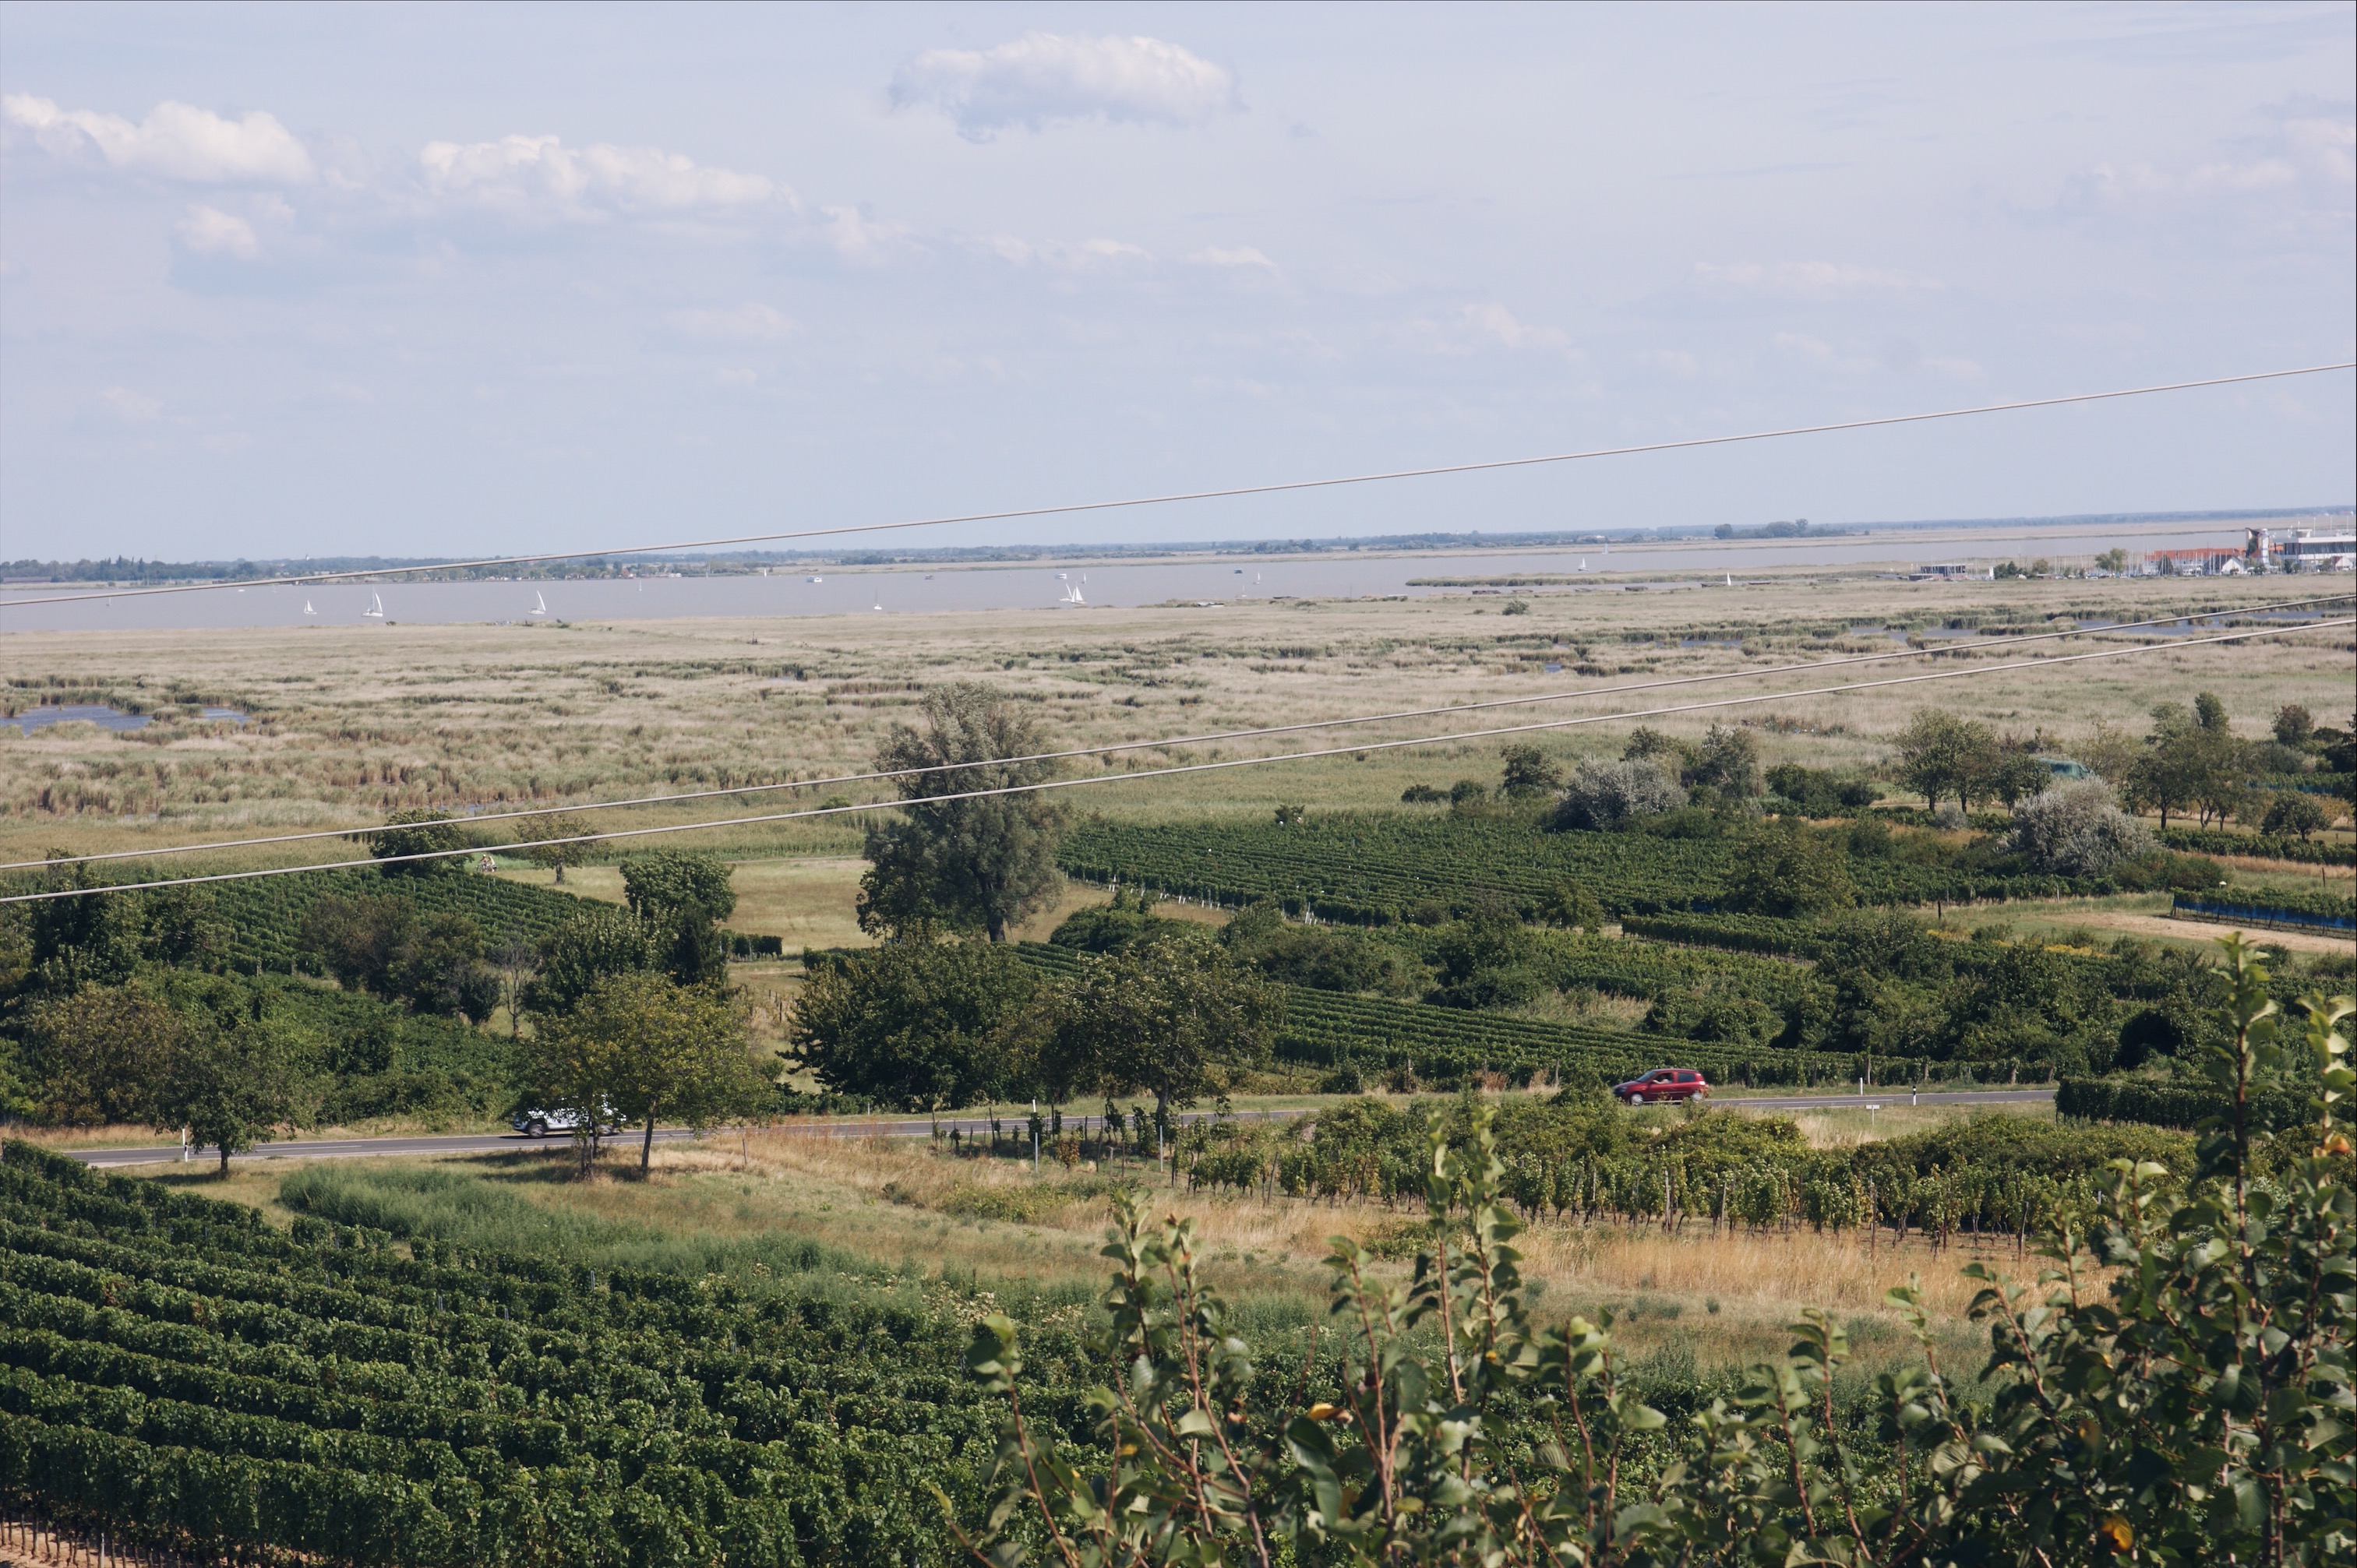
(1664, 1083)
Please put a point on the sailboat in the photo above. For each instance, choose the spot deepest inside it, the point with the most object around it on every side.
(539, 603)
(1583, 563)
(307, 609)
(1072, 594)
(376, 608)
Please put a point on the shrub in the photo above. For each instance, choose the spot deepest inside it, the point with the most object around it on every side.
(1607, 794)
(2078, 830)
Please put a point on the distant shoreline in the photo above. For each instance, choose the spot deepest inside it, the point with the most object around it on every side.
(28, 574)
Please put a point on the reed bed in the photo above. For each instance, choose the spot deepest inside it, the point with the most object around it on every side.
(349, 723)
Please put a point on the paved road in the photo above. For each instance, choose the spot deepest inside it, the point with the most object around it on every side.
(1011, 1123)
(1850, 1100)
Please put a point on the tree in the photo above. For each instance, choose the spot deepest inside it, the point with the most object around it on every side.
(2015, 775)
(596, 944)
(101, 1053)
(1174, 1018)
(1790, 873)
(519, 965)
(645, 1047)
(418, 833)
(1607, 794)
(2110, 753)
(1572, 907)
(2293, 724)
(541, 834)
(90, 940)
(381, 945)
(2115, 561)
(2078, 830)
(1530, 773)
(681, 897)
(227, 1086)
(1728, 762)
(2296, 812)
(1646, 743)
(659, 885)
(2191, 762)
(963, 864)
(926, 1026)
(1942, 754)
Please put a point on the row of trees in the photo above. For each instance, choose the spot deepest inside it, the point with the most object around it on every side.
(932, 1023)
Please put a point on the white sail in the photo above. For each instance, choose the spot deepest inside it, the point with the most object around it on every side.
(307, 609)
(376, 607)
(540, 604)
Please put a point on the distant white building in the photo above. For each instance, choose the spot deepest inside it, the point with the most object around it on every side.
(2305, 549)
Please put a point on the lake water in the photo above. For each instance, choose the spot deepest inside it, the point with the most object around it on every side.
(104, 715)
(895, 590)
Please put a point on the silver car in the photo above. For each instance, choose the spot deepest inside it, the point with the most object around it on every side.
(540, 1123)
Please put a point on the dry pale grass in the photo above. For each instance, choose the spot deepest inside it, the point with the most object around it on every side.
(351, 722)
(1724, 1296)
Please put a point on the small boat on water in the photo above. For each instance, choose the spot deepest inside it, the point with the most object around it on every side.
(540, 604)
(376, 608)
(307, 609)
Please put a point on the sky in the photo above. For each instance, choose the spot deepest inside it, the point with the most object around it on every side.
(291, 280)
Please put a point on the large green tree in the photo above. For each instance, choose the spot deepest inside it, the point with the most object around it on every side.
(1944, 757)
(1790, 872)
(683, 895)
(927, 1026)
(652, 1050)
(598, 942)
(228, 1084)
(101, 1053)
(1175, 1017)
(953, 859)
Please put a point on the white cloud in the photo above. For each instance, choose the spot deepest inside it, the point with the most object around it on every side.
(1056, 254)
(1808, 280)
(746, 324)
(1496, 324)
(1808, 347)
(131, 407)
(856, 237)
(211, 231)
(1240, 256)
(2306, 164)
(527, 177)
(1041, 79)
(176, 141)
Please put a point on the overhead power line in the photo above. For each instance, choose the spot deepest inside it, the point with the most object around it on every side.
(1114, 748)
(1190, 768)
(1227, 492)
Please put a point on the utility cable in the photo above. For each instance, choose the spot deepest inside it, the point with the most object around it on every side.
(1228, 493)
(1219, 736)
(1187, 768)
